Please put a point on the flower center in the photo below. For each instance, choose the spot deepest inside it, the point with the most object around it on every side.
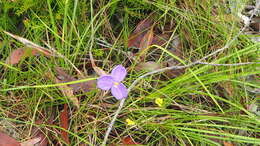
(116, 83)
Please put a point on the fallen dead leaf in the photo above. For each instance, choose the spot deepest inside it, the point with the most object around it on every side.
(31, 142)
(30, 44)
(129, 141)
(38, 133)
(64, 123)
(227, 143)
(6, 140)
(145, 43)
(19, 54)
(141, 29)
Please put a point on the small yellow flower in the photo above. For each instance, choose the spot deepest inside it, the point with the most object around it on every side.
(130, 122)
(159, 102)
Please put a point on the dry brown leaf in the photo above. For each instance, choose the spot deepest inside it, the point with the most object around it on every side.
(141, 29)
(15, 56)
(227, 143)
(146, 42)
(30, 44)
(64, 123)
(6, 140)
(31, 142)
(129, 141)
(44, 140)
(19, 54)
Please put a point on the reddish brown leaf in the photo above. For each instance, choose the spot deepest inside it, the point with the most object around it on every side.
(145, 43)
(21, 53)
(15, 56)
(138, 34)
(18, 54)
(32, 49)
(64, 123)
(129, 141)
(227, 143)
(6, 140)
(30, 44)
(146, 40)
(143, 25)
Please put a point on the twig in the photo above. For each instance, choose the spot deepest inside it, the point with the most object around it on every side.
(173, 67)
(235, 64)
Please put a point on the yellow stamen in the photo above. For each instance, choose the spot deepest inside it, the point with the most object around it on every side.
(116, 83)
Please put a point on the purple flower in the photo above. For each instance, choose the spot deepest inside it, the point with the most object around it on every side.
(113, 82)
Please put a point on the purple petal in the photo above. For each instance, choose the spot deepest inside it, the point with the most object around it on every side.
(119, 91)
(118, 73)
(105, 82)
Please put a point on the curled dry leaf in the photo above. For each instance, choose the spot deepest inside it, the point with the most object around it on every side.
(160, 39)
(6, 140)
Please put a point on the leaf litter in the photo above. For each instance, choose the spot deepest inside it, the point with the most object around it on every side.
(31, 49)
(64, 123)
(145, 36)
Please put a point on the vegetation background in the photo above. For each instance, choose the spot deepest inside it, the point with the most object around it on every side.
(49, 92)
